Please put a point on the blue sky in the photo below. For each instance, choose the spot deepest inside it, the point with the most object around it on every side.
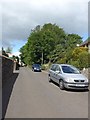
(85, 36)
(16, 45)
(20, 16)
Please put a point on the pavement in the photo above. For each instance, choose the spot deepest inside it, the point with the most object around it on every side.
(34, 97)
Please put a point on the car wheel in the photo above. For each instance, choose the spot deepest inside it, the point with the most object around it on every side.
(49, 79)
(61, 84)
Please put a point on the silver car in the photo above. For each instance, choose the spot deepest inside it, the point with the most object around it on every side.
(67, 76)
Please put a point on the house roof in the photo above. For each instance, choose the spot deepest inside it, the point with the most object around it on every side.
(85, 42)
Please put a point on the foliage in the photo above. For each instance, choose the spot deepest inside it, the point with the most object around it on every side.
(8, 50)
(84, 60)
(4, 52)
(45, 66)
(77, 51)
(50, 44)
(15, 58)
(80, 57)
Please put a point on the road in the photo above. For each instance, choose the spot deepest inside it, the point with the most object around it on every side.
(34, 97)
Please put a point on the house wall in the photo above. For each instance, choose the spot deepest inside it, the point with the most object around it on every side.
(89, 47)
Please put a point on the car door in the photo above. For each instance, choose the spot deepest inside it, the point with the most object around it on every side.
(57, 74)
(52, 72)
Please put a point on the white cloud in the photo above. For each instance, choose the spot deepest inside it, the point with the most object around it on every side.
(16, 53)
(20, 16)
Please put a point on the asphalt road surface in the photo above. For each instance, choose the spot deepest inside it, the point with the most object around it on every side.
(34, 97)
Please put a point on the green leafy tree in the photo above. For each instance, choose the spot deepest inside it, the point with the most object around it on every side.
(77, 51)
(24, 54)
(4, 52)
(84, 60)
(49, 44)
(80, 57)
(9, 50)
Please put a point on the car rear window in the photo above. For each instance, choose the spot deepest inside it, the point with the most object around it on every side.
(36, 65)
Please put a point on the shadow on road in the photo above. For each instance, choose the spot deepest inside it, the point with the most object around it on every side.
(71, 90)
(6, 92)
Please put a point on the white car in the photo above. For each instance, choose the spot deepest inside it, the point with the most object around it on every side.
(67, 76)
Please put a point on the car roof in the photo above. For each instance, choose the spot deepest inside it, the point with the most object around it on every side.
(62, 64)
(36, 64)
(65, 65)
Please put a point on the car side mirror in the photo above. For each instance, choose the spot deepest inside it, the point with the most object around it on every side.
(58, 72)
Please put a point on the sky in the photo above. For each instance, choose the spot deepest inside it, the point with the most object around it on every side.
(20, 16)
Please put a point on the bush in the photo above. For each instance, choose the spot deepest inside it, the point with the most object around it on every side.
(75, 63)
(45, 66)
(62, 60)
(84, 60)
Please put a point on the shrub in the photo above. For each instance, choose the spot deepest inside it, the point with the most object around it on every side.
(84, 60)
(45, 66)
(75, 63)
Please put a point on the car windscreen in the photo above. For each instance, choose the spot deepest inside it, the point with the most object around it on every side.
(70, 69)
(36, 65)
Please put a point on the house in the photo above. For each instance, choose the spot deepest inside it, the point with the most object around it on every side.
(86, 43)
(10, 55)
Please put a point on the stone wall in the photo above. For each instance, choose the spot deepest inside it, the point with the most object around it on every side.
(0, 73)
(7, 68)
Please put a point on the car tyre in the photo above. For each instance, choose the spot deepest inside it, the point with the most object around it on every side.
(49, 79)
(61, 84)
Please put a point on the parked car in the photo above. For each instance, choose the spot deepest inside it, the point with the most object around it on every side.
(67, 76)
(36, 67)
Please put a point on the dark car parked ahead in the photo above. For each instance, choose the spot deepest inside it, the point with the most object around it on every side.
(36, 67)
